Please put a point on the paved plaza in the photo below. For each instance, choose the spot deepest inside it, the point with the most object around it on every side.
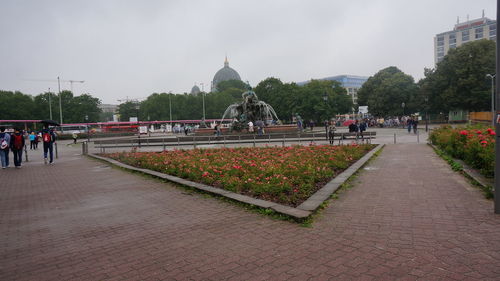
(406, 217)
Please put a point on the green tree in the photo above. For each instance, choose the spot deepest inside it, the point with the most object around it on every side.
(81, 106)
(386, 91)
(459, 80)
(16, 105)
(128, 109)
(237, 84)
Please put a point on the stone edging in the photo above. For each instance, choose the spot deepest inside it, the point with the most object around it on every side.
(302, 211)
(474, 174)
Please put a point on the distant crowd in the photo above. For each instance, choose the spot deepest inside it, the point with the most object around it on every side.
(17, 142)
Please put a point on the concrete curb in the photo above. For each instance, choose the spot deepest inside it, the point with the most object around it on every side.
(474, 174)
(302, 211)
(326, 191)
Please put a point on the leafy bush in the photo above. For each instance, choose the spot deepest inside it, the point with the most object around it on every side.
(474, 144)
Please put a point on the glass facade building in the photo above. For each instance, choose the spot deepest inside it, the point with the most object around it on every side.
(351, 83)
(464, 32)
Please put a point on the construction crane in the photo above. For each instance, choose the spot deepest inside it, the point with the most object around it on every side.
(56, 80)
(59, 86)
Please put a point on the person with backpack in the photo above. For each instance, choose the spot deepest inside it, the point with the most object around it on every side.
(4, 148)
(48, 139)
(17, 146)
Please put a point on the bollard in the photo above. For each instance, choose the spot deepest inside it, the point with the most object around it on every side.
(57, 154)
(394, 138)
(83, 147)
(253, 140)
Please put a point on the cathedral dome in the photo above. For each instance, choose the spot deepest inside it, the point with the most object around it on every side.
(195, 90)
(224, 74)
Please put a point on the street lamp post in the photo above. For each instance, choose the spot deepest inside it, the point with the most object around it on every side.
(203, 97)
(492, 77)
(403, 106)
(88, 128)
(138, 125)
(60, 101)
(325, 98)
(170, 105)
(426, 114)
(50, 106)
(497, 128)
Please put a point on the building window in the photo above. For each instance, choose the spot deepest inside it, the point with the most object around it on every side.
(479, 33)
(493, 27)
(453, 39)
(465, 35)
(493, 33)
(453, 46)
(440, 41)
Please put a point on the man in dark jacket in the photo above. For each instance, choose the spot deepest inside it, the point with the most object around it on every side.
(4, 147)
(48, 139)
(17, 146)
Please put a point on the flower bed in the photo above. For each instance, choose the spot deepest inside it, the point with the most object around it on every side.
(287, 175)
(474, 145)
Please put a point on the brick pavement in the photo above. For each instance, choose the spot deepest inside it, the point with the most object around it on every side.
(407, 217)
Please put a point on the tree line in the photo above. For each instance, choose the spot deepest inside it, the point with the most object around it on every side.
(313, 101)
(458, 82)
(19, 106)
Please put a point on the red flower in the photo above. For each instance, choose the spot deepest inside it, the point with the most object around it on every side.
(492, 133)
(464, 132)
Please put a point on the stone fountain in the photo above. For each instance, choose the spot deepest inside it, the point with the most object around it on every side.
(250, 109)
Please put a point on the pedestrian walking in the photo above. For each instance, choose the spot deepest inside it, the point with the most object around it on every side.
(17, 144)
(75, 136)
(32, 140)
(48, 138)
(4, 148)
(409, 124)
(331, 132)
(414, 125)
(37, 140)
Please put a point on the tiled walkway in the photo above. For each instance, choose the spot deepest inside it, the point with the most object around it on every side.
(408, 217)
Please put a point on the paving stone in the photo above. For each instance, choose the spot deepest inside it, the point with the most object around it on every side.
(408, 217)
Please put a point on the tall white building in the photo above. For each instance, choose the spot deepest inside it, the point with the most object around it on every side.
(483, 28)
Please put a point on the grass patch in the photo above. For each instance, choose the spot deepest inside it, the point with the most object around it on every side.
(457, 167)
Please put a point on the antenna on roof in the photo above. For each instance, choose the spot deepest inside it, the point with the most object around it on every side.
(458, 19)
(483, 13)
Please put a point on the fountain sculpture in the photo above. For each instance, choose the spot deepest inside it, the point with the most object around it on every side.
(250, 109)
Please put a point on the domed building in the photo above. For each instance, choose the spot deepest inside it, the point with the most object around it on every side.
(224, 74)
(195, 90)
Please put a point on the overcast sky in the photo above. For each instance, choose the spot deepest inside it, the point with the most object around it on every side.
(135, 48)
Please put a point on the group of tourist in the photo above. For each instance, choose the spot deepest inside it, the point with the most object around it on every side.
(16, 142)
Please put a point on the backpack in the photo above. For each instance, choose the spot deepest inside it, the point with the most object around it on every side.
(18, 142)
(47, 137)
(3, 142)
